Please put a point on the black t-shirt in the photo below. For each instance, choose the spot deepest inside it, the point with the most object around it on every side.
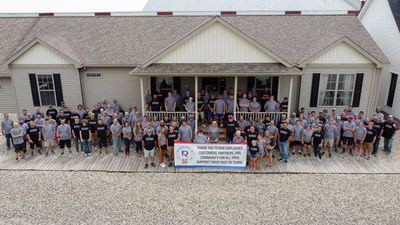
(59, 118)
(85, 130)
(67, 115)
(369, 137)
(230, 128)
(200, 102)
(171, 137)
(284, 105)
(96, 112)
(388, 130)
(185, 99)
(167, 122)
(318, 136)
(52, 112)
(284, 134)
(322, 120)
(101, 131)
(92, 124)
(86, 116)
(149, 141)
(33, 133)
(378, 126)
(211, 102)
(72, 117)
(155, 105)
(267, 123)
(265, 94)
(251, 136)
(76, 128)
(160, 96)
(176, 130)
(253, 149)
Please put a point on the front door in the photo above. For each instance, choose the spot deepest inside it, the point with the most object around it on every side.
(209, 82)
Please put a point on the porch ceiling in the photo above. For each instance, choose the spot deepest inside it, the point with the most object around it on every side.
(212, 69)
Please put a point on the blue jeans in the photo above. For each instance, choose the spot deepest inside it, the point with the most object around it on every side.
(229, 139)
(86, 146)
(376, 145)
(284, 150)
(8, 140)
(388, 145)
(77, 141)
(127, 146)
(117, 144)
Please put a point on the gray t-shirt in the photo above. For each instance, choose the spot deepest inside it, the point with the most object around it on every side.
(307, 136)
(127, 131)
(310, 120)
(243, 101)
(39, 122)
(219, 106)
(48, 131)
(139, 133)
(155, 124)
(260, 128)
(303, 123)
(229, 106)
(80, 112)
(271, 106)
(23, 127)
(238, 139)
(162, 139)
(190, 106)
(109, 111)
(292, 121)
(348, 133)
(147, 99)
(297, 132)
(64, 132)
(116, 129)
(242, 124)
(191, 124)
(360, 132)
(158, 130)
(260, 145)
(170, 101)
(106, 121)
(255, 106)
(329, 131)
(184, 132)
(338, 126)
(272, 129)
(213, 131)
(18, 140)
(151, 129)
(200, 139)
(7, 125)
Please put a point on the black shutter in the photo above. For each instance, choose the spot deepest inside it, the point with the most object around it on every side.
(153, 85)
(250, 83)
(392, 90)
(58, 87)
(177, 84)
(314, 90)
(34, 89)
(275, 87)
(357, 89)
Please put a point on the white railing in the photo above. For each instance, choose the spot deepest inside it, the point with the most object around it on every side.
(260, 115)
(161, 115)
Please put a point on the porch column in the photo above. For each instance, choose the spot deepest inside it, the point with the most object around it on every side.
(195, 103)
(142, 95)
(235, 97)
(290, 96)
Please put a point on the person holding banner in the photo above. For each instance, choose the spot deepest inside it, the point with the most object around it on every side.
(200, 138)
(162, 145)
(230, 128)
(149, 142)
(253, 154)
(213, 132)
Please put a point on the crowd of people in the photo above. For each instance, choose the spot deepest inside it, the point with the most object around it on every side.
(107, 124)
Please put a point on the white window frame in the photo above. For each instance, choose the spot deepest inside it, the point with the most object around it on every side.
(90, 77)
(1, 86)
(164, 89)
(336, 89)
(38, 88)
(262, 89)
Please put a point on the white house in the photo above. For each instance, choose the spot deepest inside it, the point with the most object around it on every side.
(381, 18)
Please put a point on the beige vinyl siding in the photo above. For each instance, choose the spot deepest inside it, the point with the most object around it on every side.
(39, 54)
(284, 83)
(341, 53)
(305, 90)
(8, 102)
(69, 80)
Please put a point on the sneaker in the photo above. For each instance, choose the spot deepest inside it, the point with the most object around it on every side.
(146, 166)
(70, 152)
(153, 165)
(129, 154)
(52, 151)
(273, 156)
(47, 153)
(286, 161)
(293, 153)
(99, 153)
(330, 155)
(300, 152)
(40, 152)
(351, 153)
(31, 154)
(166, 156)
(89, 154)
(62, 153)
(368, 158)
(375, 154)
(304, 155)
(16, 160)
(163, 165)
(126, 155)
(336, 151)
(343, 152)
(323, 153)
(77, 152)
(280, 159)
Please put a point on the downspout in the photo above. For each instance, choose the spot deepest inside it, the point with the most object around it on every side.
(81, 84)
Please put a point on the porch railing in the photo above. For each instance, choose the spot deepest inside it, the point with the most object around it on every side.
(161, 115)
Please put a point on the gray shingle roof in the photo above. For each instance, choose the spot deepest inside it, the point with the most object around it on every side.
(133, 40)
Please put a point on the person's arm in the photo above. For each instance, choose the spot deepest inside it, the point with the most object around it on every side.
(259, 108)
(18, 135)
(224, 109)
(80, 135)
(165, 104)
(322, 142)
(276, 107)
(362, 140)
(380, 135)
(173, 110)
(265, 107)
(373, 141)
(2, 130)
(158, 143)
(125, 136)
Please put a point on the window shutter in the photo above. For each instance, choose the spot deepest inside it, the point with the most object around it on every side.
(357, 89)
(392, 90)
(177, 84)
(250, 83)
(58, 88)
(314, 90)
(34, 89)
(275, 87)
(153, 85)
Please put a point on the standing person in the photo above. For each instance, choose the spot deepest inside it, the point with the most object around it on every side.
(244, 104)
(200, 138)
(24, 115)
(297, 134)
(155, 104)
(213, 132)
(360, 133)
(284, 137)
(191, 123)
(254, 106)
(220, 110)
(271, 106)
(265, 96)
(101, 133)
(369, 140)
(230, 128)
(171, 137)
(260, 126)
(170, 103)
(17, 135)
(116, 131)
(185, 132)
(177, 98)
(200, 108)
(378, 127)
(138, 135)
(253, 150)
(6, 126)
(251, 135)
(160, 95)
(190, 105)
(37, 112)
(348, 135)
(162, 145)
(84, 134)
(261, 143)
(389, 130)
(211, 112)
(93, 137)
(127, 134)
(330, 131)
(115, 106)
(39, 123)
(24, 127)
(147, 99)
(283, 107)
(64, 136)
(339, 126)
(378, 114)
(149, 142)
(242, 125)
(230, 105)
(49, 132)
(155, 123)
(76, 127)
(271, 143)
(34, 137)
(306, 140)
(80, 111)
(52, 112)
(318, 142)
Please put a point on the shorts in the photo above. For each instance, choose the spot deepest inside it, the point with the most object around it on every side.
(270, 151)
(102, 143)
(336, 140)
(65, 142)
(348, 140)
(37, 143)
(253, 156)
(148, 153)
(49, 142)
(368, 146)
(359, 142)
(297, 143)
(20, 147)
(211, 114)
(163, 147)
(201, 115)
(220, 116)
(261, 153)
(307, 143)
(328, 142)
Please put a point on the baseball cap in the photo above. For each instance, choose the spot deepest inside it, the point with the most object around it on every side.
(190, 98)
(390, 116)
(334, 109)
(350, 117)
(230, 117)
(126, 113)
(114, 100)
(62, 103)
(293, 114)
(378, 107)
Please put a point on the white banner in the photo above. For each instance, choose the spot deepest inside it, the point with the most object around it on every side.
(221, 155)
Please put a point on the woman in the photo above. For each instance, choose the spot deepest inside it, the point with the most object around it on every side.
(127, 134)
(359, 137)
(306, 138)
(238, 138)
(253, 149)
(271, 143)
(162, 145)
(261, 149)
(174, 119)
(254, 106)
(260, 126)
(213, 134)
(155, 123)
(171, 137)
(138, 133)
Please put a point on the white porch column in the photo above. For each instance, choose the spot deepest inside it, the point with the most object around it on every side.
(235, 97)
(195, 103)
(290, 96)
(142, 95)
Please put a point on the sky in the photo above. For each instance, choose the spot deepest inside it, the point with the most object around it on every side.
(34, 6)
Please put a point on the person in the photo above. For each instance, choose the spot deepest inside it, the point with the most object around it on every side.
(39, 123)
(225, 95)
(24, 127)
(238, 138)
(115, 106)
(191, 123)
(378, 114)
(220, 110)
(359, 137)
(297, 134)
(321, 118)
(171, 137)
(155, 104)
(6, 126)
(177, 98)
(389, 130)
(339, 125)
(318, 142)
(127, 136)
(210, 104)
(214, 91)
(242, 124)
(170, 103)
(310, 119)
(350, 111)
(306, 139)
(186, 99)
(137, 118)
(370, 138)
(93, 137)
(34, 138)
(155, 123)
(200, 109)
(190, 105)
(213, 132)
(96, 111)
(200, 138)
(251, 135)
(378, 127)
(162, 145)
(17, 135)
(283, 107)
(284, 137)
(101, 133)
(67, 115)
(147, 99)
(109, 111)
(244, 104)
(52, 112)
(80, 111)
(103, 104)
(254, 106)
(334, 114)
(64, 136)
(116, 131)
(149, 127)
(348, 135)
(315, 125)
(261, 143)
(37, 112)
(149, 142)
(24, 115)
(60, 117)
(185, 132)
(293, 119)
(76, 127)
(271, 105)
(160, 95)
(230, 128)
(230, 104)
(84, 135)
(265, 96)
(271, 143)
(253, 149)
(330, 131)
(49, 132)
(138, 137)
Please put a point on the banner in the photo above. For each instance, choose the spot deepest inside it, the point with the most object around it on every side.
(220, 155)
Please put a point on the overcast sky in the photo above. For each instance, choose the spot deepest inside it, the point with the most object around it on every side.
(22, 6)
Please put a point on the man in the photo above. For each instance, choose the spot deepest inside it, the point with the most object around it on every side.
(297, 134)
(17, 135)
(265, 96)
(62, 106)
(310, 119)
(149, 127)
(225, 96)
(6, 126)
(321, 118)
(348, 135)
(230, 104)
(39, 122)
(350, 111)
(244, 104)
(293, 119)
(254, 93)
(185, 132)
(61, 117)
(242, 124)
(330, 131)
(92, 122)
(64, 136)
(378, 113)
(211, 112)
(149, 142)
(24, 115)
(370, 138)
(147, 99)
(155, 104)
(76, 127)
(96, 111)
(220, 110)
(378, 127)
(200, 138)
(318, 141)
(200, 108)
(84, 135)
(24, 127)
(284, 137)
(339, 125)
(37, 111)
(389, 130)
(334, 114)
(230, 128)
(103, 104)
(283, 107)
(33, 135)
(115, 106)
(191, 123)
(177, 98)
(190, 106)
(52, 112)
(251, 135)
(80, 111)
(116, 131)
(109, 110)
(170, 103)
(49, 132)
(160, 95)
(214, 91)
(101, 133)
(67, 115)
(271, 106)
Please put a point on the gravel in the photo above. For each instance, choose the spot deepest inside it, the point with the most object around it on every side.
(29, 197)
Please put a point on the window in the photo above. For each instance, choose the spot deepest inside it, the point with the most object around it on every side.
(166, 84)
(94, 75)
(392, 90)
(261, 83)
(336, 89)
(46, 89)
